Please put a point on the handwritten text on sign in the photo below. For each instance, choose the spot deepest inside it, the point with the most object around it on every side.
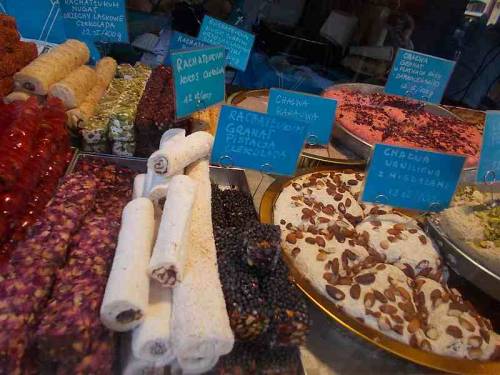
(239, 43)
(419, 76)
(199, 79)
(257, 141)
(414, 179)
(489, 164)
(180, 41)
(97, 20)
(317, 112)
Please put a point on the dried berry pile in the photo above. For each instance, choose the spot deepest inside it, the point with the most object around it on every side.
(50, 303)
(156, 111)
(35, 153)
(249, 359)
(262, 303)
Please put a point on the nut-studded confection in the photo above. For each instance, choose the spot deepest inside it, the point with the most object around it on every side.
(453, 327)
(262, 245)
(232, 208)
(395, 238)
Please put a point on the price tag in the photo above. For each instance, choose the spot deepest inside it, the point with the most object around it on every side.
(489, 163)
(317, 112)
(180, 41)
(99, 21)
(239, 43)
(419, 76)
(248, 139)
(414, 179)
(199, 79)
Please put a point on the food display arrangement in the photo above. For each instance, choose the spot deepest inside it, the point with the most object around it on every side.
(376, 117)
(363, 259)
(114, 264)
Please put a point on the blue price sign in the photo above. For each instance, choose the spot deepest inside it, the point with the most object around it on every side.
(93, 20)
(414, 179)
(199, 79)
(239, 43)
(248, 139)
(180, 41)
(317, 112)
(37, 19)
(489, 163)
(419, 76)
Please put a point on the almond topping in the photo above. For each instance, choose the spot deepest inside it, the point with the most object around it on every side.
(454, 331)
(321, 256)
(355, 291)
(320, 241)
(425, 345)
(413, 325)
(311, 240)
(379, 296)
(335, 266)
(295, 251)
(399, 226)
(423, 239)
(432, 333)
(384, 244)
(464, 323)
(391, 296)
(335, 293)
(475, 341)
(403, 293)
(388, 309)
(384, 323)
(369, 300)
(485, 335)
(365, 279)
(291, 238)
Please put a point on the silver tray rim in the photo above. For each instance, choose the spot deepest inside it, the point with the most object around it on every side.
(482, 277)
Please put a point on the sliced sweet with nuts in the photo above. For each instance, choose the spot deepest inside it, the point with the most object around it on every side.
(335, 293)
(384, 323)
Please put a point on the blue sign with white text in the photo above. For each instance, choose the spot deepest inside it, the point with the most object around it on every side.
(254, 140)
(199, 79)
(419, 76)
(489, 164)
(95, 20)
(37, 19)
(317, 112)
(180, 41)
(239, 43)
(414, 179)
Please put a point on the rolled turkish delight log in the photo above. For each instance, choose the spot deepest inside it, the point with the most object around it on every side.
(126, 297)
(171, 137)
(151, 340)
(105, 71)
(139, 185)
(51, 67)
(200, 338)
(174, 159)
(170, 251)
(73, 89)
(158, 196)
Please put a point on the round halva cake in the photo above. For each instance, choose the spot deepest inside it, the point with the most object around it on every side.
(376, 265)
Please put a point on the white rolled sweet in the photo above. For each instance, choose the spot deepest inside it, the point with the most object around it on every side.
(131, 365)
(200, 325)
(171, 160)
(151, 340)
(172, 136)
(170, 250)
(158, 195)
(126, 296)
(139, 186)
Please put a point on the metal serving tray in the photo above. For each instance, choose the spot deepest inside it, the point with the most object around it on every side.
(230, 177)
(462, 263)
